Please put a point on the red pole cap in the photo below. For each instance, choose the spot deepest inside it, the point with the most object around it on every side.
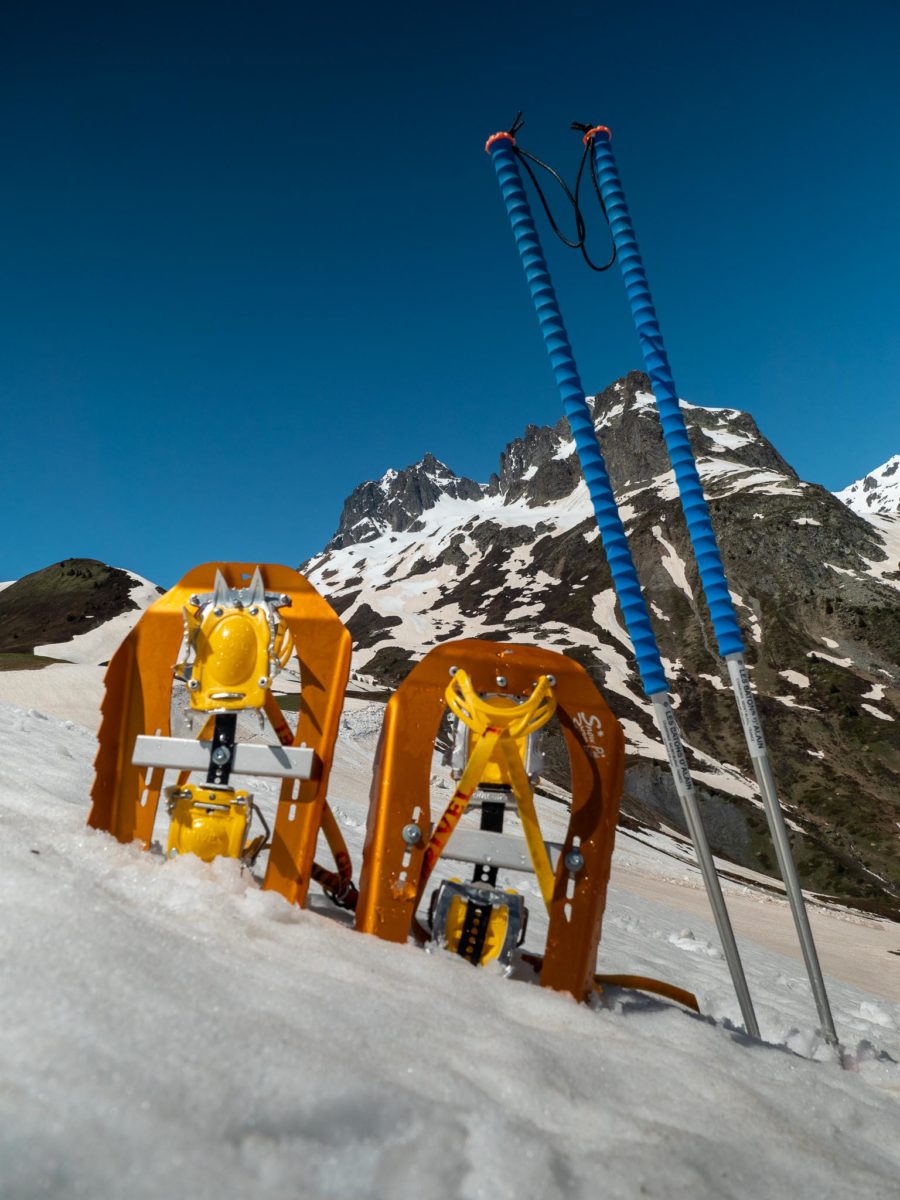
(597, 129)
(495, 137)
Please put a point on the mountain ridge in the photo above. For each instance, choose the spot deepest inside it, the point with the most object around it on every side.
(815, 586)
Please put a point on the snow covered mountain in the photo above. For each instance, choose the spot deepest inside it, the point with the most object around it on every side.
(60, 626)
(422, 556)
(76, 611)
(877, 492)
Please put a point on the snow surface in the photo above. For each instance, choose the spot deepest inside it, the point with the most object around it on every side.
(797, 678)
(876, 497)
(887, 530)
(170, 1029)
(97, 645)
(876, 712)
(69, 691)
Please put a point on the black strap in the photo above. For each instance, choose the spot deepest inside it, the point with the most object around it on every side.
(221, 753)
(492, 812)
(573, 196)
(474, 930)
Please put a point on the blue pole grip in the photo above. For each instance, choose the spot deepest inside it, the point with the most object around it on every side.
(612, 532)
(706, 549)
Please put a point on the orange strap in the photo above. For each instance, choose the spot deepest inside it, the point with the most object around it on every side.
(641, 984)
(443, 831)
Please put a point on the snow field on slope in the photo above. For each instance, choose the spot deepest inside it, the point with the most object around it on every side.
(98, 645)
(170, 1029)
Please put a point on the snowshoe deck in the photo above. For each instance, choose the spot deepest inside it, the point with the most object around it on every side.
(400, 847)
(233, 675)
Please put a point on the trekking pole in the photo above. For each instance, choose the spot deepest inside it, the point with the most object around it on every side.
(703, 539)
(612, 534)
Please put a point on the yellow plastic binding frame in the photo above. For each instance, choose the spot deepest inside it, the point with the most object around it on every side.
(401, 795)
(501, 730)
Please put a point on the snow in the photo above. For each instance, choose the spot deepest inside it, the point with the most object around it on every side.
(791, 702)
(887, 530)
(797, 678)
(65, 690)
(768, 483)
(838, 662)
(730, 441)
(752, 619)
(604, 616)
(392, 590)
(674, 565)
(807, 521)
(714, 680)
(97, 645)
(565, 450)
(169, 1029)
(877, 492)
(612, 414)
(876, 712)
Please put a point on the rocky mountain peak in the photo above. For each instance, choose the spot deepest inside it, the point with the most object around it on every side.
(542, 466)
(398, 499)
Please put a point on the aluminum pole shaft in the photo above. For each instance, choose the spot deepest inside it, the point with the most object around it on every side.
(703, 539)
(615, 543)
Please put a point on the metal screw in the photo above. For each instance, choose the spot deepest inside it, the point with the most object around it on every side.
(263, 681)
(217, 612)
(193, 684)
(501, 681)
(453, 671)
(574, 861)
(551, 679)
(195, 600)
(411, 834)
(253, 611)
(220, 755)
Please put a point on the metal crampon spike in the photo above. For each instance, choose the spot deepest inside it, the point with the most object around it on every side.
(256, 592)
(222, 593)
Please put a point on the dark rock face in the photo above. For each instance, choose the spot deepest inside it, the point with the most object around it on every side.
(395, 501)
(368, 626)
(60, 601)
(813, 588)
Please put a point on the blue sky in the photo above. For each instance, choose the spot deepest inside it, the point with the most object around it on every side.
(253, 253)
